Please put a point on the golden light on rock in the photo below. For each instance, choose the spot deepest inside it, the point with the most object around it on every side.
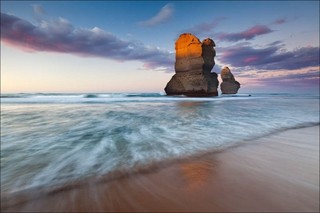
(188, 46)
(194, 62)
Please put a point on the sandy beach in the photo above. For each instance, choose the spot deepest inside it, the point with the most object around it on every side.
(276, 173)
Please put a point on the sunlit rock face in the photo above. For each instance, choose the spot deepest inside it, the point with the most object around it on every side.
(194, 62)
(188, 54)
(229, 84)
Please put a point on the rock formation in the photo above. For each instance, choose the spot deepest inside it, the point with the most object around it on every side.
(229, 84)
(194, 62)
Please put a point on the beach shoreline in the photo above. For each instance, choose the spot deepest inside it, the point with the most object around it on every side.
(278, 172)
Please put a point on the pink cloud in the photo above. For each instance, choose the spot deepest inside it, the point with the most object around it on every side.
(269, 58)
(248, 34)
(250, 59)
(61, 36)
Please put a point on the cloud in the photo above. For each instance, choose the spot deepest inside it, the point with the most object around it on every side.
(163, 16)
(280, 21)
(61, 36)
(38, 9)
(309, 79)
(310, 74)
(276, 43)
(205, 27)
(270, 58)
(248, 34)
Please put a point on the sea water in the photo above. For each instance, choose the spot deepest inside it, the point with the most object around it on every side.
(52, 139)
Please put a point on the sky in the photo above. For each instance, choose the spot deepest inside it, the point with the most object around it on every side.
(128, 46)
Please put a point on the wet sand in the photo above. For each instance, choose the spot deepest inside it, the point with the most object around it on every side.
(275, 173)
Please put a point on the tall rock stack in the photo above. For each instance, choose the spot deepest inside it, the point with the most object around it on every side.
(229, 84)
(194, 62)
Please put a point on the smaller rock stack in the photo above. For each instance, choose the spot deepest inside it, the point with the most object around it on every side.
(229, 84)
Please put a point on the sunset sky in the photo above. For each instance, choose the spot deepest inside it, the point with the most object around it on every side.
(128, 46)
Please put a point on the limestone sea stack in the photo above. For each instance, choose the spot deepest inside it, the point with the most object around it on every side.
(229, 84)
(194, 62)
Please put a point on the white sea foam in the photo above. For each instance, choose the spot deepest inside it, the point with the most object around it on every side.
(106, 98)
(47, 140)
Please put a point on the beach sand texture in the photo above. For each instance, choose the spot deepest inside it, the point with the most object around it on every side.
(275, 173)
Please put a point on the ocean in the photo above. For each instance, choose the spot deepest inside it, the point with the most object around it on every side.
(55, 139)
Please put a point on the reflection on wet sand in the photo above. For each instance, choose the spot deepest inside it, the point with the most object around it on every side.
(276, 173)
(196, 174)
(191, 103)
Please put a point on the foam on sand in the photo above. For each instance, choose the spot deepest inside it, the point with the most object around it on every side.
(273, 173)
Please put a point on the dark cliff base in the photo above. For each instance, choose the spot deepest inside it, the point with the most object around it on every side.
(195, 94)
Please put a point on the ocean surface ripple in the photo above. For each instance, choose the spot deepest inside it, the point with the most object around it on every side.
(51, 139)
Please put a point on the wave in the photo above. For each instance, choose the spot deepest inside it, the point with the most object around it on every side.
(88, 95)
(123, 172)
(121, 95)
(145, 95)
(14, 96)
(76, 140)
(91, 96)
(106, 97)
